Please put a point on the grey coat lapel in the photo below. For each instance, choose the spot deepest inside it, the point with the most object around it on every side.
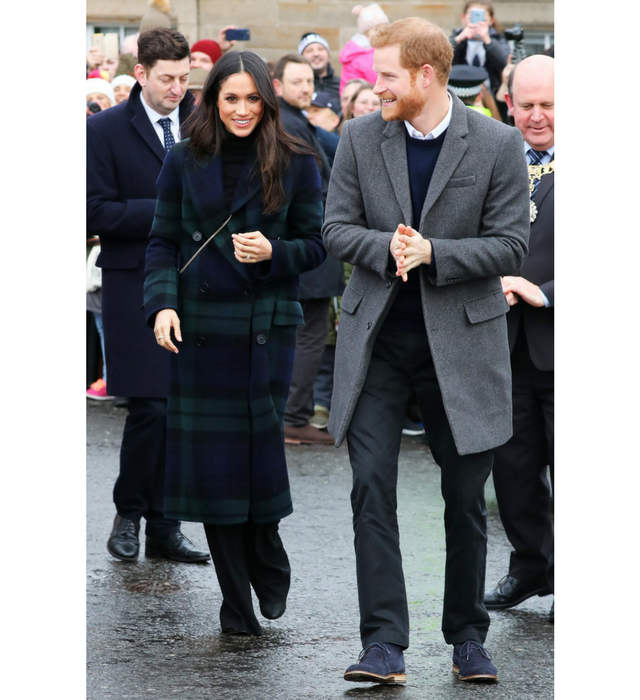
(453, 149)
(394, 152)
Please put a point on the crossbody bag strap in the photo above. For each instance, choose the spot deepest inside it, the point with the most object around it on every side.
(195, 255)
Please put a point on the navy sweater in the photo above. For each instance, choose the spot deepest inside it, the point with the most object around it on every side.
(406, 312)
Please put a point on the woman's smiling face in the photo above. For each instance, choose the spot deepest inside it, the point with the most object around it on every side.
(239, 104)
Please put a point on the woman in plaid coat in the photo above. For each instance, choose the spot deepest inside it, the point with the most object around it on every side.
(229, 317)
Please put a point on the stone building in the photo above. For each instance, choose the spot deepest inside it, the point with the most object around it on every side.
(276, 26)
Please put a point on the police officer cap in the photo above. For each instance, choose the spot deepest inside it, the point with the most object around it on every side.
(465, 80)
(324, 99)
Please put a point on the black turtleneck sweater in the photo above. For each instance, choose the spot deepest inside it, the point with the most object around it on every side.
(235, 153)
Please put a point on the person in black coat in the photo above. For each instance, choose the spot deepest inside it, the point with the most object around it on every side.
(481, 43)
(520, 466)
(293, 82)
(126, 146)
(315, 49)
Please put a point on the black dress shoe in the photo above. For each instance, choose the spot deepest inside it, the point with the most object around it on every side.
(124, 543)
(511, 592)
(176, 547)
(272, 611)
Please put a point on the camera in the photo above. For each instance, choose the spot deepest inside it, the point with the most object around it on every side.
(94, 107)
(515, 33)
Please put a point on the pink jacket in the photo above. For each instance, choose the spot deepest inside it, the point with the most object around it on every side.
(356, 58)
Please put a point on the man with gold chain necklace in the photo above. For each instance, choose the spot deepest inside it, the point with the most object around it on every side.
(520, 466)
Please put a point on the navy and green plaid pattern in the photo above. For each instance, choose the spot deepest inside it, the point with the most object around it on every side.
(230, 380)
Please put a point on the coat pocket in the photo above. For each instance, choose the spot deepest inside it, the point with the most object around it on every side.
(118, 260)
(487, 307)
(461, 181)
(288, 313)
(350, 299)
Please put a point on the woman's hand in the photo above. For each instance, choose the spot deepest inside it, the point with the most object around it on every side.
(251, 247)
(165, 321)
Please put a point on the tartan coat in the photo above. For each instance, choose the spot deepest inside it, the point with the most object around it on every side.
(228, 384)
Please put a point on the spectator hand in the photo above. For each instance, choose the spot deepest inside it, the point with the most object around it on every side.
(94, 59)
(481, 29)
(251, 247)
(222, 39)
(165, 321)
(522, 289)
(467, 33)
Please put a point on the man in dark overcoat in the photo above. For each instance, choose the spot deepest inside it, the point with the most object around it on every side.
(126, 146)
(428, 200)
(520, 468)
(293, 82)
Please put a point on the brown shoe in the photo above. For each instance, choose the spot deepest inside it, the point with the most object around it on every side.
(306, 435)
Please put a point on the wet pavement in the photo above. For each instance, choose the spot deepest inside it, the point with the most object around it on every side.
(153, 628)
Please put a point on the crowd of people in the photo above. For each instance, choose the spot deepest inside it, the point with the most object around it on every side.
(280, 255)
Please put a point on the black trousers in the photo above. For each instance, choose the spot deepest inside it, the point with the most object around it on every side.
(401, 364)
(139, 488)
(310, 343)
(520, 470)
(246, 555)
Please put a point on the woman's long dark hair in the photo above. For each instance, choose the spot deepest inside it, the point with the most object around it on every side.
(274, 145)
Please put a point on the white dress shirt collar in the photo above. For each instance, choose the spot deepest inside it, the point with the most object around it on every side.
(155, 116)
(546, 159)
(434, 133)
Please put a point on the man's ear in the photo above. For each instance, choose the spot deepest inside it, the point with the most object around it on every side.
(140, 74)
(507, 99)
(428, 75)
(277, 86)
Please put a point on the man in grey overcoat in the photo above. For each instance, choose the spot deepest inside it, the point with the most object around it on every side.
(429, 201)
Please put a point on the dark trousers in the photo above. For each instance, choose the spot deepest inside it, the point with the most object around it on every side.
(323, 387)
(310, 343)
(401, 364)
(520, 470)
(139, 488)
(246, 555)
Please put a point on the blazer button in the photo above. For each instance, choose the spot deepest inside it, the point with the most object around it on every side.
(204, 287)
(262, 339)
(201, 342)
(197, 236)
(369, 326)
(248, 290)
(389, 283)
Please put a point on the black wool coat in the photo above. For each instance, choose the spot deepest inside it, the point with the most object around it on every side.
(230, 380)
(124, 158)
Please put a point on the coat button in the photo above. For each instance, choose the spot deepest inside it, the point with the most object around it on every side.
(204, 287)
(262, 339)
(248, 290)
(369, 326)
(201, 342)
(197, 236)
(389, 283)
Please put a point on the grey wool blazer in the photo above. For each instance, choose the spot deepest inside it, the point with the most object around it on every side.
(476, 215)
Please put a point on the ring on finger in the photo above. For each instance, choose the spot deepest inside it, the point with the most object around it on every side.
(160, 337)
(248, 256)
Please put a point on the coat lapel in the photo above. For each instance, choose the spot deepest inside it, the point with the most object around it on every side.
(453, 149)
(207, 194)
(142, 124)
(394, 152)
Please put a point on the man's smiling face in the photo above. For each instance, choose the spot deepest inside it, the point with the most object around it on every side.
(397, 87)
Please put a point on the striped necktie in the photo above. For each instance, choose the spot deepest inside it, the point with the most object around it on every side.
(535, 158)
(169, 141)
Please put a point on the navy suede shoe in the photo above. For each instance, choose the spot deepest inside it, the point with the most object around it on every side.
(472, 662)
(378, 663)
